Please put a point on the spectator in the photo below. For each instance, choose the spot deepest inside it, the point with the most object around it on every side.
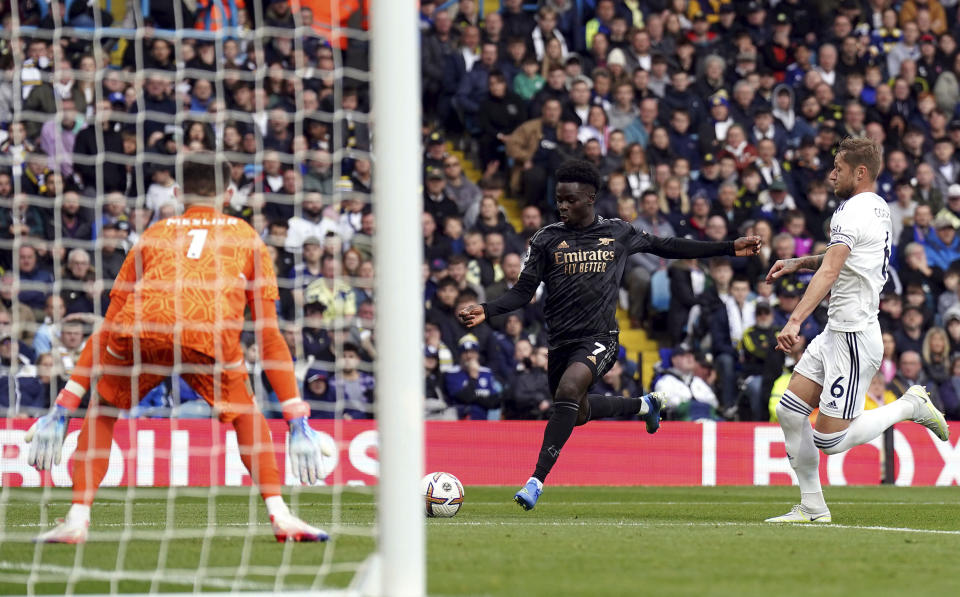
(309, 269)
(332, 292)
(943, 247)
(44, 96)
(460, 188)
(523, 144)
(46, 334)
(86, 146)
(436, 246)
(57, 138)
(910, 373)
(500, 112)
(163, 189)
(687, 282)
(313, 222)
(436, 201)
(950, 391)
(67, 348)
(789, 290)
(903, 208)
(457, 269)
(316, 391)
(19, 375)
(945, 166)
(436, 407)
(528, 82)
(910, 337)
(936, 355)
(470, 387)
(158, 105)
(925, 189)
(920, 232)
(616, 382)
(877, 393)
(36, 281)
(689, 397)
(114, 210)
(355, 386)
(473, 88)
(441, 311)
(77, 283)
(528, 397)
(888, 364)
(642, 266)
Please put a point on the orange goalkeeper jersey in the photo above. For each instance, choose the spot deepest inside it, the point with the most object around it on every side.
(189, 280)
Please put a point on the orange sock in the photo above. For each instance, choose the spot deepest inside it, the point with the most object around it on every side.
(256, 451)
(92, 458)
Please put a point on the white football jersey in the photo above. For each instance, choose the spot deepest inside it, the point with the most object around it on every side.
(863, 223)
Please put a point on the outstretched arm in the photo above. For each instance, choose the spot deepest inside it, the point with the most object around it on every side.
(684, 248)
(511, 300)
(786, 267)
(518, 296)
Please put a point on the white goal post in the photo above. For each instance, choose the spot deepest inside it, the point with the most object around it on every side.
(395, 68)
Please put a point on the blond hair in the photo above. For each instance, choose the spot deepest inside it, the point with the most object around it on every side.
(864, 152)
(927, 352)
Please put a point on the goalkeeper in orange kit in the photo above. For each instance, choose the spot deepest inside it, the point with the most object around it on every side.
(178, 306)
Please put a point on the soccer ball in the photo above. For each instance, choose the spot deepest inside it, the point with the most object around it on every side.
(443, 495)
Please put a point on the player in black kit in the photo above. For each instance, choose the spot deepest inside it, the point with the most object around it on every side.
(581, 258)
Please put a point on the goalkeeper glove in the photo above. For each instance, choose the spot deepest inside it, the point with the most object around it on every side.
(46, 438)
(305, 451)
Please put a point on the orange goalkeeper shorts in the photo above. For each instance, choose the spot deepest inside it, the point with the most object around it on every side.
(126, 377)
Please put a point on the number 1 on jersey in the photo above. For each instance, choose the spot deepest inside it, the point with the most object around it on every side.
(199, 238)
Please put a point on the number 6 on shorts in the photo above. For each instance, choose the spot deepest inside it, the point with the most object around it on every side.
(836, 390)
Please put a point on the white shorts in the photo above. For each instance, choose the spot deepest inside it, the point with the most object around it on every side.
(843, 363)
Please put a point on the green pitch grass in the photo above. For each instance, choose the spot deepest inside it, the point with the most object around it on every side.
(579, 541)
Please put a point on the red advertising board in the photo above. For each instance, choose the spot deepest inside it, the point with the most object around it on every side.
(162, 452)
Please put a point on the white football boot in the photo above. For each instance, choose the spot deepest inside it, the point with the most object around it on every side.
(65, 532)
(799, 514)
(287, 527)
(925, 413)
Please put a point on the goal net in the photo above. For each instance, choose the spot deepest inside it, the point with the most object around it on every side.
(104, 103)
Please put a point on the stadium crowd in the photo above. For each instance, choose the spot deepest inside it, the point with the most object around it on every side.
(708, 119)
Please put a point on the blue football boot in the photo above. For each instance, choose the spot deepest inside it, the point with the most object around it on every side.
(655, 403)
(528, 495)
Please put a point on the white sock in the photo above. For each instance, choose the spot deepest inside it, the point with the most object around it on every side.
(537, 481)
(78, 513)
(276, 506)
(865, 427)
(794, 417)
(644, 407)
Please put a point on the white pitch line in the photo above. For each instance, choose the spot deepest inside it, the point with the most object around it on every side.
(713, 503)
(699, 524)
(560, 523)
(506, 502)
(146, 576)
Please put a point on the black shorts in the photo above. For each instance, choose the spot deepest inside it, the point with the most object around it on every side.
(597, 353)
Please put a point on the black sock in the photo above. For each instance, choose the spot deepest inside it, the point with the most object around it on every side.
(604, 407)
(558, 431)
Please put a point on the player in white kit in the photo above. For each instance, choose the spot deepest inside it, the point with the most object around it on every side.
(837, 366)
